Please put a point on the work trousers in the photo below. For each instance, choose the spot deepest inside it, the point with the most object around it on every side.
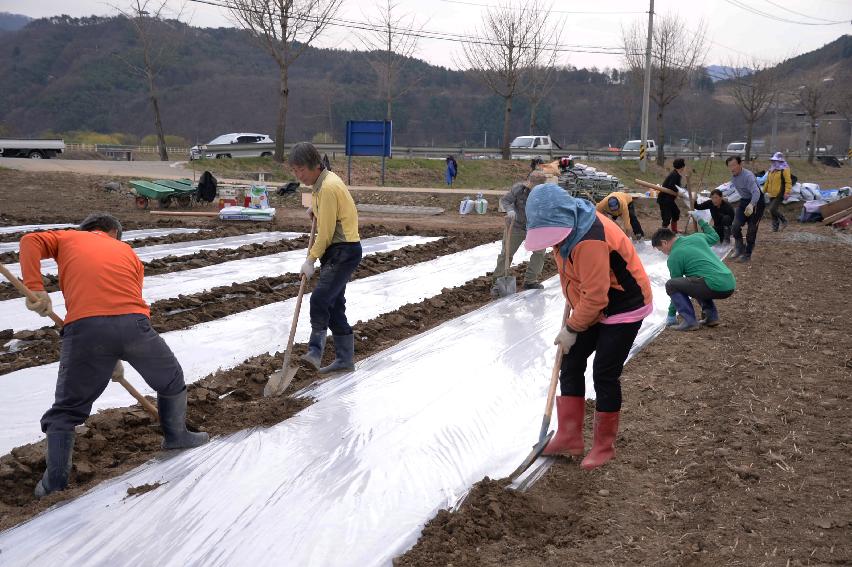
(753, 222)
(774, 209)
(534, 266)
(725, 222)
(90, 349)
(698, 289)
(611, 345)
(669, 212)
(328, 300)
(634, 220)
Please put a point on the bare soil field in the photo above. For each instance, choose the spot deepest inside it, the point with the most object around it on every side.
(735, 441)
(734, 447)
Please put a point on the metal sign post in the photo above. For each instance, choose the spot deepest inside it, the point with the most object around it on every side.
(368, 138)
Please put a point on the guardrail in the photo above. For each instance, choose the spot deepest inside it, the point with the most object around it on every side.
(436, 152)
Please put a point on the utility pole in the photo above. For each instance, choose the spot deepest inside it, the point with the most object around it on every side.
(646, 93)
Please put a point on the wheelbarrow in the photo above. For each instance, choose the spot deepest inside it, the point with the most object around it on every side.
(164, 191)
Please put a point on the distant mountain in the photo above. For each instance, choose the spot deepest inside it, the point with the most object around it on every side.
(832, 59)
(13, 22)
(722, 72)
(64, 74)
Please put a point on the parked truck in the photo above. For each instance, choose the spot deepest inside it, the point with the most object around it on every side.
(533, 147)
(33, 149)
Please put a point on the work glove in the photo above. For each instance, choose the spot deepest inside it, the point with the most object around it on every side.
(671, 320)
(510, 217)
(696, 215)
(566, 339)
(748, 210)
(42, 304)
(308, 268)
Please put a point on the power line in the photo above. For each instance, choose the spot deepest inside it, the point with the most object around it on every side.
(441, 36)
(551, 11)
(805, 15)
(770, 16)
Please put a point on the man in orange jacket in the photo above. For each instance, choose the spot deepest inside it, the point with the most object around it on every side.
(606, 284)
(107, 321)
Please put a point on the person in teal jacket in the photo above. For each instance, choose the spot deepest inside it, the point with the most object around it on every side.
(696, 272)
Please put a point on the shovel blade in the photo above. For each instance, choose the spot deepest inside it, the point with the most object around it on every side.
(506, 286)
(278, 381)
(536, 452)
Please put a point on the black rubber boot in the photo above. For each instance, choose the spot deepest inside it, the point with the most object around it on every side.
(344, 351)
(316, 346)
(173, 421)
(60, 447)
(533, 285)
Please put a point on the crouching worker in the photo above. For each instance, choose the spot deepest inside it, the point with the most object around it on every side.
(338, 248)
(619, 205)
(514, 203)
(696, 272)
(107, 320)
(606, 284)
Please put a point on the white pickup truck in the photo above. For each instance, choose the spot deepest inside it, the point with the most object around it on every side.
(33, 149)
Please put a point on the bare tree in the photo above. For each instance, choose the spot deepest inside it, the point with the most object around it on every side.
(815, 97)
(754, 87)
(676, 52)
(144, 16)
(541, 75)
(285, 29)
(390, 45)
(510, 41)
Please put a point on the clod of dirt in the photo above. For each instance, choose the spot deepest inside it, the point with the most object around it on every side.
(142, 489)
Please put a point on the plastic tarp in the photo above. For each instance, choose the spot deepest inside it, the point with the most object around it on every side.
(127, 236)
(15, 315)
(351, 479)
(30, 227)
(148, 253)
(226, 342)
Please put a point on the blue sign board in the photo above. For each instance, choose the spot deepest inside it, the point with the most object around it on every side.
(369, 137)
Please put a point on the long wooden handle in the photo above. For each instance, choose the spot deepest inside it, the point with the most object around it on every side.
(118, 373)
(508, 260)
(554, 380)
(302, 285)
(656, 187)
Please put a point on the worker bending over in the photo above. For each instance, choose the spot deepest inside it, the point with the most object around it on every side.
(619, 205)
(606, 284)
(338, 248)
(695, 271)
(721, 212)
(514, 203)
(107, 321)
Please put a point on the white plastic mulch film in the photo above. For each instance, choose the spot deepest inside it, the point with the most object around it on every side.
(148, 253)
(227, 342)
(351, 479)
(30, 227)
(127, 236)
(15, 315)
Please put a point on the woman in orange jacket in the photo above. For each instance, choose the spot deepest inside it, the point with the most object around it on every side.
(606, 284)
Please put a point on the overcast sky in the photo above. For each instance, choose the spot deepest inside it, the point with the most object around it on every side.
(732, 30)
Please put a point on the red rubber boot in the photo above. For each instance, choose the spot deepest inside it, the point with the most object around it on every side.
(674, 226)
(603, 446)
(570, 411)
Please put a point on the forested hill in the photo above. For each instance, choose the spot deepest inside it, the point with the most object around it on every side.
(63, 74)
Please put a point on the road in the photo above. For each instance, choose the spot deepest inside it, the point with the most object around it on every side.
(176, 170)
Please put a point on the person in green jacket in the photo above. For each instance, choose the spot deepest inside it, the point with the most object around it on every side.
(696, 272)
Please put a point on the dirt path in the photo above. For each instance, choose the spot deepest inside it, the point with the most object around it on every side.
(734, 447)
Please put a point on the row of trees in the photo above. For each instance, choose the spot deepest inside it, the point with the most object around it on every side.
(514, 52)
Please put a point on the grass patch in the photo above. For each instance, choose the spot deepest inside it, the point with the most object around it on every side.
(498, 174)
